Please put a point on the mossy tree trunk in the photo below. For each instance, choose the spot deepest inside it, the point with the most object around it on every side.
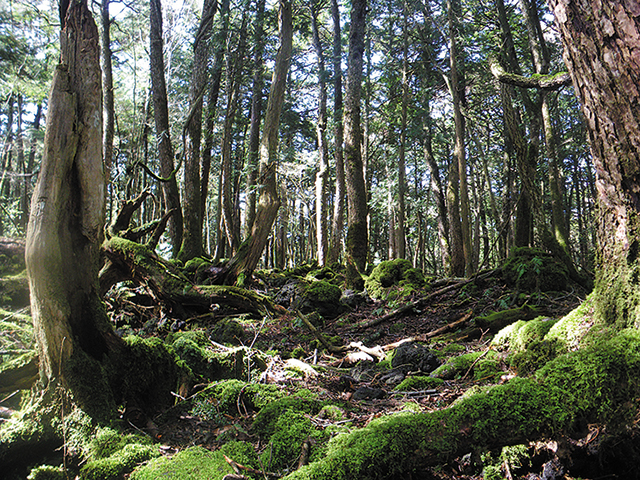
(601, 43)
(68, 207)
(357, 231)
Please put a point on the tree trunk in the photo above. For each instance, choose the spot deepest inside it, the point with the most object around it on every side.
(337, 222)
(256, 115)
(246, 259)
(322, 176)
(67, 210)
(357, 232)
(107, 82)
(192, 245)
(212, 104)
(163, 133)
(601, 42)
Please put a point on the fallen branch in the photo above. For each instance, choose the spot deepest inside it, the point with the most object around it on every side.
(434, 333)
(331, 348)
(420, 303)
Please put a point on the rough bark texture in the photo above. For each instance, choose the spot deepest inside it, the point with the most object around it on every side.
(192, 207)
(67, 209)
(161, 117)
(107, 78)
(357, 232)
(246, 259)
(602, 40)
(337, 222)
(322, 176)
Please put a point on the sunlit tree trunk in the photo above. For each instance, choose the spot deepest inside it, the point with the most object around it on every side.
(192, 245)
(67, 210)
(163, 133)
(253, 152)
(357, 233)
(246, 259)
(601, 42)
(337, 223)
(322, 176)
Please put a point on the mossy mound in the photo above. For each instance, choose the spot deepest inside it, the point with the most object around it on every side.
(517, 336)
(390, 273)
(532, 269)
(474, 365)
(195, 463)
(223, 398)
(110, 455)
(194, 349)
(552, 403)
(418, 382)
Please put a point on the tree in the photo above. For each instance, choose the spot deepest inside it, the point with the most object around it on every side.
(357, 231)
(192, 133)
(163, 132)
(246, 259)
(600, 41)
(67, 211)
(322, 176)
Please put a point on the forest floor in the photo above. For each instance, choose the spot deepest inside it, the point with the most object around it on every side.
(345, 360)
(362, 383)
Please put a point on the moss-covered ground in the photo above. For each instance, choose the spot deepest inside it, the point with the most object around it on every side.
(262, 397)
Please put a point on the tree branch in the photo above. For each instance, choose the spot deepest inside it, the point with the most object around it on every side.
(543, 82)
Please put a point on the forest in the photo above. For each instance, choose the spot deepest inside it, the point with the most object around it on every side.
(319, 240)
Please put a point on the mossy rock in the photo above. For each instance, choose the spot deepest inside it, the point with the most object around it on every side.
(532, 269)
(47, 472)
(223, 398)
(390, 273)
(486, 367)
(193, 349)
(319, 296)
(119, 463)
(194, 463)
(418, 382)
(228, 331)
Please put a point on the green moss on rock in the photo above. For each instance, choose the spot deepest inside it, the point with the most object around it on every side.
(486, 367)
(532, 269)
(390, 273)
(418, 382)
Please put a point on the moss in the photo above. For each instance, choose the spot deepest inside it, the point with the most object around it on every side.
(223, 398)
(119, 463)
(47, 472)
(324, 292)
(419, 383)
(14, 290)
(242, 453)
(147, 372)
(532, 269)
(266, 420)
(228, 332)
(517, 336)
(498, 320)
(454, 348)
(488, 366)
(571, 329)
(195, 463)
(389, 273)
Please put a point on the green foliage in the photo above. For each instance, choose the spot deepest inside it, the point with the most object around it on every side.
(223, 398)
(119, 463)
(531, 269)
(324, 292)
(265, 424)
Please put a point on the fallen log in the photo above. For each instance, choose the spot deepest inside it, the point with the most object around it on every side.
(419, 303)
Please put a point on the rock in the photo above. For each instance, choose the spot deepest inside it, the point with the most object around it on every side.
(552, 470)
(411, 357)
(368, 393)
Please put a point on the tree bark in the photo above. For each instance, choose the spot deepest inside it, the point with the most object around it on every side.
(246, 259)
(322, 175)
(163, 133)
(192, 245)
(107, 81)
(337, 221)
(357, 232)
(601, 42)
(256, 115)
(67, 210)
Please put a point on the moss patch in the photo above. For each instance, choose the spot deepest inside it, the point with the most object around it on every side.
(480, 365)
(532, 269)
(390, 273)
(195, 463)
